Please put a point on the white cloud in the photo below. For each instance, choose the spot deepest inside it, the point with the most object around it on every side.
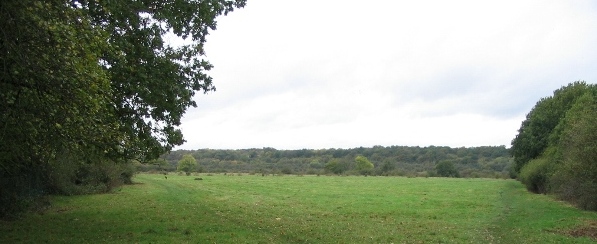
(330, 74)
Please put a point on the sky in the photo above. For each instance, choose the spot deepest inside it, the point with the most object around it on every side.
(319, 74)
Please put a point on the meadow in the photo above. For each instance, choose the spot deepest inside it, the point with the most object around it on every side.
(237, 208)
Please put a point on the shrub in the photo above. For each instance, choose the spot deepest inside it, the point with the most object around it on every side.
(535, 175)
(446, 169)
(574, 184)
(66, 174)
(286, 171)
(72, 177)
(363, 165)
(20, 190)
(187, 164)
(128, 171)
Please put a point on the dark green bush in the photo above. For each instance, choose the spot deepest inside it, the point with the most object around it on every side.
(68, 175)
(27, 187)
(574, 183)
(21, 190)
(286, 171)
(446, 169)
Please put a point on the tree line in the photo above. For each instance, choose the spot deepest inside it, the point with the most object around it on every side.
(555, 151)
(488, 161)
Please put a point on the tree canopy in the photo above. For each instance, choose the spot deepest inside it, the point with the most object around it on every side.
(535, 132)
(96, 80)
(446, 169)
(490, 161)
(363, 165)
(187, 164)
(556, 151)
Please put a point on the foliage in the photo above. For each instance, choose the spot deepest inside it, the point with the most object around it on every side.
(363, 165)
(535, 132)
(474, 162)
(446, 169)
(95, 79)
(54, 94)
(187, 164)
(560, 135)
(68, 175)
(535, 175)
(160, 163)
(387, 167)
(334, 166)
(576, 177)
(310, 209)
(21, 191)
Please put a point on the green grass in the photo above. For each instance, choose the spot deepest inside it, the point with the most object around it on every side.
(309, 209)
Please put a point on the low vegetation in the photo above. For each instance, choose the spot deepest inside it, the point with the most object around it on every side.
(242, 208)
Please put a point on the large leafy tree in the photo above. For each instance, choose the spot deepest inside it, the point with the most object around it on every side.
(96, 80)
(54, 95)
(536, 130)
(99, 74)
(555, 150)
(575, 177)
(153, 83)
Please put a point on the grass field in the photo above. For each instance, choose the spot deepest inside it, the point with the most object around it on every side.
(308, 209)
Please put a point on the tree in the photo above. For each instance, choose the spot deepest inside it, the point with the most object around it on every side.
(95, 80)
(575, 176)
(446, 169)
(363, 165)
(187, 164)
(160, 163)
(334, 166)
(535, 148)
(535, 132)
(387, 166)
(560, 138)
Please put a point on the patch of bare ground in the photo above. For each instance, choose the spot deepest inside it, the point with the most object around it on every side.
(589, 229)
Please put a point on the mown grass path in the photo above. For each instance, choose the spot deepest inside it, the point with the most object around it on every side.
(309, 209)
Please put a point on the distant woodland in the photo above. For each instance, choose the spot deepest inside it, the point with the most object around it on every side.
(488, 161)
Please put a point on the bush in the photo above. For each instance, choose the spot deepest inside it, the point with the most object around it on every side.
(187, 164)
(128, 171)
(21, 190)
(363, 165)
(535, 175)
(68, 175)
(286, 171)
(27, 187)
(446, 169)
(576, 185)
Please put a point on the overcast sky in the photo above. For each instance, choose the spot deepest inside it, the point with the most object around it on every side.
(341, 74)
